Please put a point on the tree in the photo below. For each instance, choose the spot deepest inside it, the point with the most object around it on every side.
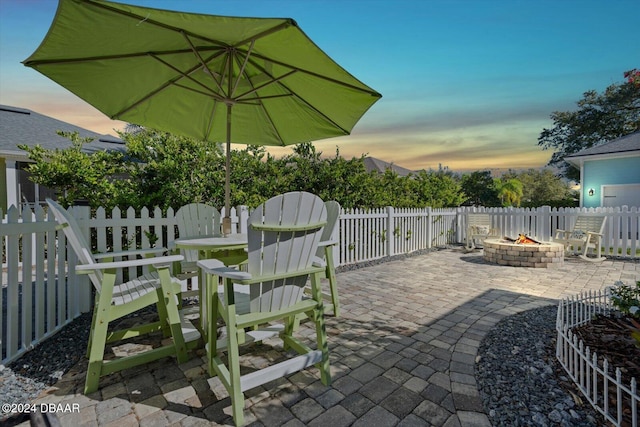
(509, 191)
(543, 187)
(78, 176)
(437, 189)
(165, 170)
(601, 117)
(479, 189)
(170, 171)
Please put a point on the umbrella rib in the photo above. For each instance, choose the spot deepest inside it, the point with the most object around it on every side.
(261, 105)
(292, 93)
(187, 76)
(164, 86)
(204, 64)
(242, 68)
(147, 20)
(288, 22)
(36, 62)
(272, 81)
(207, 94)
(320, 76)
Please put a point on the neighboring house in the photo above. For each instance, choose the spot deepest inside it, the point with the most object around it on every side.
(22, 126)
(610, 173)
(376, 165)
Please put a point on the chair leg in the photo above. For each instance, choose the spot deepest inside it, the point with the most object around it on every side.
(162, 313)
(235, 390)
(333, 285)
(93, 325)
(98, 339)
(212, 321)
(321, 332)
(172, 315)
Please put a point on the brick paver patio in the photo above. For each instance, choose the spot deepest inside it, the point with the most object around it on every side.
(402, 352)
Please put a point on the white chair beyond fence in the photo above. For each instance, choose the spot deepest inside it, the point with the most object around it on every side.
(114, 301)
(586, 234)
(479, 228)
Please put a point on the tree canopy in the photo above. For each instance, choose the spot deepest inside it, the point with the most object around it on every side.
(165, 170)
(600, 117)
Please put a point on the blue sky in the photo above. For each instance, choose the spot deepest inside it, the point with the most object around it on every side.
(467, 84)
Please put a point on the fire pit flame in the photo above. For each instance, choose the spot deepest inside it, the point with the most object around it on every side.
(523, 239)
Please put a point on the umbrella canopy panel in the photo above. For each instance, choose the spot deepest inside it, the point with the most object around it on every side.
(195, 74)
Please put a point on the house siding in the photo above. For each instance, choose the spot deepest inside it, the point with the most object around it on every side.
(608, 172)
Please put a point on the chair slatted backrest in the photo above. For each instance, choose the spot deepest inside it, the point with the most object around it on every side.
(197, 220)
(333, 212)
(76, 239)
(276, 252)
(590, 223)
(480, 219)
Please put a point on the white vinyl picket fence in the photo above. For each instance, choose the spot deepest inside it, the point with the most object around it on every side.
(38, 301)
(600, 383)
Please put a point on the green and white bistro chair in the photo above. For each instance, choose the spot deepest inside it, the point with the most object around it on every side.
(114, 300)
(263, 301)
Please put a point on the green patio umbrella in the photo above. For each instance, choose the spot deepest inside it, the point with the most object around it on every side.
(214, 78)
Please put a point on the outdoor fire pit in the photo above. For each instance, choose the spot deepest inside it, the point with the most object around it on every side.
(523, 252)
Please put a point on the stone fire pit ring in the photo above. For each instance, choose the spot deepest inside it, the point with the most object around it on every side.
(542, 255)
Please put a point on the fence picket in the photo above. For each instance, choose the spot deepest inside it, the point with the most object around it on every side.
(583, 366)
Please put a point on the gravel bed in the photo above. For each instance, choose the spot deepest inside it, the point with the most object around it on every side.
(24, 379)
(519, 380)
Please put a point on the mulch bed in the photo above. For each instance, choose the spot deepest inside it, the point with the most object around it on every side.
(610, 337)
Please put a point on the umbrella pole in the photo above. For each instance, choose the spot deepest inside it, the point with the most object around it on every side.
(226, 221)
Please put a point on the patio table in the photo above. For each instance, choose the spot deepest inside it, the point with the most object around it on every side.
(231, 250)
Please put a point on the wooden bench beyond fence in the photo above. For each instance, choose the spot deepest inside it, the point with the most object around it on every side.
(586, 233)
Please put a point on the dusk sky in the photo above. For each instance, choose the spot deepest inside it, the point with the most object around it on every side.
(465, 84)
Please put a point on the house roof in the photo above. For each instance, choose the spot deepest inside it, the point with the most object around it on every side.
(628, 144)
(23, 126)
(376, 165)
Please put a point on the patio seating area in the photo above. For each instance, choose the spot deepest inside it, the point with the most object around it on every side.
(402, 350)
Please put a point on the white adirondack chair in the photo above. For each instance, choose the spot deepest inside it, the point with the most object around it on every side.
(195, 220)
(586, 234)
(114, 301)
(479, 228)
(325, 255)
(283, 237)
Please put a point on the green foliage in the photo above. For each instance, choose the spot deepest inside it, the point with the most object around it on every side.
(543, 188)
(171, 171)
(165, 170)
(438, 189)
(78, 176)
(479, 189)
(509, 191)
(601, 117)
(626, 298)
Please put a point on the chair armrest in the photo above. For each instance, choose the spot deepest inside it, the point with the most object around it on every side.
(214, 266)
(290, 227)
(325, 243)
(134, 252)
(592, 233)
(319, 262)
(155, 261)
